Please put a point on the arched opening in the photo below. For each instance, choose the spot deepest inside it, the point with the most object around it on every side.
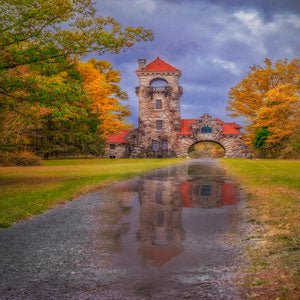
(206, 149)
(158, 82)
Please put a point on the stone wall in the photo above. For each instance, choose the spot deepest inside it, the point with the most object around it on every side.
(169, 114)
(140, 140)
(121, 150)
(232, 144)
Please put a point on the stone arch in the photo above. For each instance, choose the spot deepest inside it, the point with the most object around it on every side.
(233, 145)
(158, 82)
(208, 141)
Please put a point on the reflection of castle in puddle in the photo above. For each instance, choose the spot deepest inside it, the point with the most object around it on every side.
(207, 194)
(161, 230)
(161, 233)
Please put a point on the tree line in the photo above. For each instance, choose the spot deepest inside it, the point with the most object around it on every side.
(52, 103)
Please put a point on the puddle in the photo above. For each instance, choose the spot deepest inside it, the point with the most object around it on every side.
(172, 215)
(175, 222)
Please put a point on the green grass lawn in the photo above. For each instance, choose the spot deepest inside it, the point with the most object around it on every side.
(273, 187)
(28, 191)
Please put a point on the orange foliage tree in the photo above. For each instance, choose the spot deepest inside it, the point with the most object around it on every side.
(101, 82)
(268, 98)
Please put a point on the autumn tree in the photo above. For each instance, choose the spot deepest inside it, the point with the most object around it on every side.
(101, 82)
(40, 44)
(268, 98)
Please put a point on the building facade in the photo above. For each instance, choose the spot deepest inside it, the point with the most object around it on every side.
(161, 132)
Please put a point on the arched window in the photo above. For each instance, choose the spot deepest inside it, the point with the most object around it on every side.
(158, 82)
(206, 129)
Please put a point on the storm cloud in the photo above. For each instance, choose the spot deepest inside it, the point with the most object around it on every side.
(212, 42)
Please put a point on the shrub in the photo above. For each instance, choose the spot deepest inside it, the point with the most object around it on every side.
(19, 159)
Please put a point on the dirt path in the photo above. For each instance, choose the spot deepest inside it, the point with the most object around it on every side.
(174, 233)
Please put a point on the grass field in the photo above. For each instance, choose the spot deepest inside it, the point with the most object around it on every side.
(273, 187)
(28, 191)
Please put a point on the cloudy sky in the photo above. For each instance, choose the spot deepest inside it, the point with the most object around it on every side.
(213, 43)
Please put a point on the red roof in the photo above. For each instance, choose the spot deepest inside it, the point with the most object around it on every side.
(231, 128)
(159, 256)
(158, 65)
(118, 137)
(229, 194)
(228, 128)
(185, 125)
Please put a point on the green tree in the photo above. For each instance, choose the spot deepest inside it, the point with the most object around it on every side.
(42, 38)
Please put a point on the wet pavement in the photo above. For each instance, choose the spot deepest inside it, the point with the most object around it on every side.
(173, 233)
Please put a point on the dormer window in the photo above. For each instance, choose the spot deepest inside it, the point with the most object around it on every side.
(206, 129)
(158, 104)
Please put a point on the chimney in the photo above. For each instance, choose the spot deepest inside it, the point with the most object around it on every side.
(142, 63)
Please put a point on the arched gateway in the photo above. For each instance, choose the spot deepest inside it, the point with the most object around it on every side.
(161, 132)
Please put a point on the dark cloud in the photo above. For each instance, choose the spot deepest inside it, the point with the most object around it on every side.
(213, 43)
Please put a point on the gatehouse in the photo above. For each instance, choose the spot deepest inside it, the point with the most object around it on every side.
(161, 132)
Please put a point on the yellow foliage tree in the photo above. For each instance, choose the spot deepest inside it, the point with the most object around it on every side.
(268, 98)
(101, 82)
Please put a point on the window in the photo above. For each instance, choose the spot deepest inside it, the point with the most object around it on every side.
(154, 145)
(205, 190)
(160, 218)
(159, 125)
(158, 104)
(165, 145)
(112, 156)
(206, 129)
(158, 196)
(112, 146)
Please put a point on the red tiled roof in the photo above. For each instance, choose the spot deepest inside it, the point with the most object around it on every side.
(158, 65)
(185, 125)
(228, 128)
(118, 137)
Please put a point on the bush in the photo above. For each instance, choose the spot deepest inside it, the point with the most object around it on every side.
(19, 159)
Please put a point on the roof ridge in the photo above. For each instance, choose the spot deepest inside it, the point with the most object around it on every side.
(159, 65)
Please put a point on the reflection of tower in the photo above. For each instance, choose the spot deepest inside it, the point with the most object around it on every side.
(161, 230)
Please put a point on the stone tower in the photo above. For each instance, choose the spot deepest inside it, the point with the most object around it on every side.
(159, 109)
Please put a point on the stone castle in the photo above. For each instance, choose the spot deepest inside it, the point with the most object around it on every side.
(161, 132)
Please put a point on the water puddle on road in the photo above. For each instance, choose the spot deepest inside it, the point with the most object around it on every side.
(164, 233)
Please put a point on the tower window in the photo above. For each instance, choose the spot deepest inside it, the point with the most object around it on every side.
(154, 145)
(165, 145)
(158, 196)
(158, 104)
(159, 125)
(206, 129)
(160, 218)
(112, 146)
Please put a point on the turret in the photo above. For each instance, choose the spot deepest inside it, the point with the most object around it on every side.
(159, 106)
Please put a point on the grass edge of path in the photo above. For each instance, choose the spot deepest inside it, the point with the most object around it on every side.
(272, 247)
(24, 206)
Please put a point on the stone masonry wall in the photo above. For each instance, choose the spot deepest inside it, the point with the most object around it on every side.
(121, 151)
(169, 114)
(233, 145)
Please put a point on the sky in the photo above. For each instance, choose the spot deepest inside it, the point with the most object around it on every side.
(212, 42)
